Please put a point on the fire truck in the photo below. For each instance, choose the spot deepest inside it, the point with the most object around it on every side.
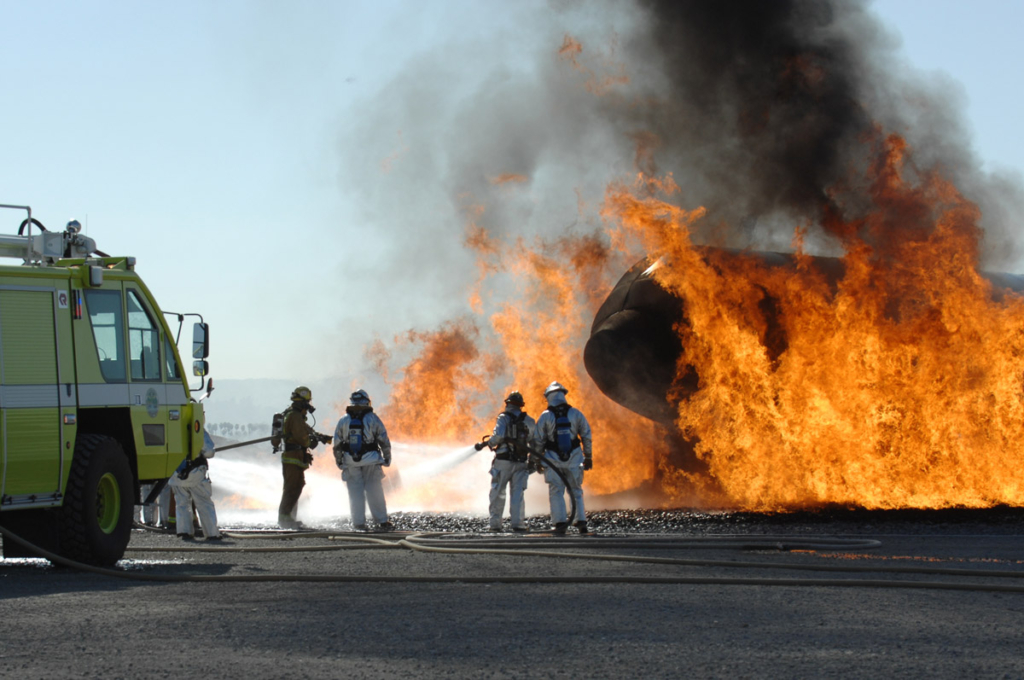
(94, 401)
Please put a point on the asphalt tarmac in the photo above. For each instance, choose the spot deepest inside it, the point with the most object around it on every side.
(819, 595)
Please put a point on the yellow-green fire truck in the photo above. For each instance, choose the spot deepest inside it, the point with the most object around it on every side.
(93, 398)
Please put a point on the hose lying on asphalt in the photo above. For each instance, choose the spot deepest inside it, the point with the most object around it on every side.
(419, 542)
(351, 542)
(423, 543)
(731, 541)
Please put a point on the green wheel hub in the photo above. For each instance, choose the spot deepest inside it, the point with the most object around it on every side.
(108, 503)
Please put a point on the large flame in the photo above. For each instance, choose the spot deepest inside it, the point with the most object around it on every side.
(900, 384)
(451, 391)
(902, 388)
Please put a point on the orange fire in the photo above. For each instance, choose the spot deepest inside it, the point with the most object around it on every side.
(900, 386)
(451, 391)
(901, 389)
(442, 389)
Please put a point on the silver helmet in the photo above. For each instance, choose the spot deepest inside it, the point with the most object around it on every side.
(360, 398)
(555, 387)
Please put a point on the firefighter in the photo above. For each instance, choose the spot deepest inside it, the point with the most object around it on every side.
(191, 484)
(298, 438)
(362, 450)
(563, 440)
(511, 442)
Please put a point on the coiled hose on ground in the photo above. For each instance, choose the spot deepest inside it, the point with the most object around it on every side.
(449, 543)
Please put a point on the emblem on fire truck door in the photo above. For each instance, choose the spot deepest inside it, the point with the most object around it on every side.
(152, 403)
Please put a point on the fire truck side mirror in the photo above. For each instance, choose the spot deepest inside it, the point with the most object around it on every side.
(200, 342)
(200, 368)
(95, 276)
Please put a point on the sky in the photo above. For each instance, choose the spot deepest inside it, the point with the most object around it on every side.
(977, 46)
(293, 171)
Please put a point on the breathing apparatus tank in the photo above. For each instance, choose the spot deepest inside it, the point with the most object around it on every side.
(277, 430)
(355, 437)
(564, 441)
(518, 437)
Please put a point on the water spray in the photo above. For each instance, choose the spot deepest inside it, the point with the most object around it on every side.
(444, 464)
(414, 481)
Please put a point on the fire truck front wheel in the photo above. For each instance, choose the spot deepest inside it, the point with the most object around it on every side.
(96, 519)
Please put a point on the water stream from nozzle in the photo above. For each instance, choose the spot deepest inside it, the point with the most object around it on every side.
(426, 470)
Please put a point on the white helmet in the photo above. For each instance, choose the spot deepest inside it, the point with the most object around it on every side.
(555, 387)
(360, 398)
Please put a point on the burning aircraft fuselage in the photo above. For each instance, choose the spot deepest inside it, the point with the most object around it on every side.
(635, 353)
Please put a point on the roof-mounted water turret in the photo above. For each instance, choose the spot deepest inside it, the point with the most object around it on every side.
(46, 247)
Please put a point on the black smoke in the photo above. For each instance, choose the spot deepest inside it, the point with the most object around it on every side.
(771, 114)
(766, 112)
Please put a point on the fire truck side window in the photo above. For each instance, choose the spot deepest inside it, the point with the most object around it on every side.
(143, 341)
(172, 365)
(108, 330)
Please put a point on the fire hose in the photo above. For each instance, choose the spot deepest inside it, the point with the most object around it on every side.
(420, 543)
(240, 444)
(570, 486)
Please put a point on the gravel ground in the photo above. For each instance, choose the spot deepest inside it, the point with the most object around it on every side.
(60, 623)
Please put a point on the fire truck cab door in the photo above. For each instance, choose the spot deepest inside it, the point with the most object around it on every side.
(155, 431)
(30, 393)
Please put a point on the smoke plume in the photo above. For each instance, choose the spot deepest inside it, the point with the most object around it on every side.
(771, 111)
(765, 113)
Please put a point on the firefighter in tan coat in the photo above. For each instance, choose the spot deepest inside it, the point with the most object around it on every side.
(298, 438)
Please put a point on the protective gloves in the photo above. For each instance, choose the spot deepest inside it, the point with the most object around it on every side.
(183, 470)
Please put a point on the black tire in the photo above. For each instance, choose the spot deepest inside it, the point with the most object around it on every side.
(96, 518)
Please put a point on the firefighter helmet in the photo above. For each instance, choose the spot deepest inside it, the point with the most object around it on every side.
(516, 399)
(360, 398)
(302, 393)
(555, 387)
